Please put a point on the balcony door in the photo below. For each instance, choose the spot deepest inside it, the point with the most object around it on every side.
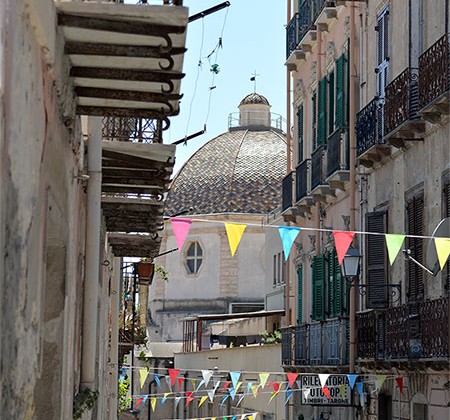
(382, 69)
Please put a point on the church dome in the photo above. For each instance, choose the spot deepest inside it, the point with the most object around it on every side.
(239, 171)
(254, 98)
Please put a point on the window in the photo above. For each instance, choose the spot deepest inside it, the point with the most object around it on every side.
(382, 70)
(322, 112)
(314, 120)
(376, 261)
(300, 132)
(194, 258)
(299, 294)
(279, 269)
(318, 287)
(330, 95)
(341, 92)
(336, 287)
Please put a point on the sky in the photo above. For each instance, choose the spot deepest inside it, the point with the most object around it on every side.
(253, 40)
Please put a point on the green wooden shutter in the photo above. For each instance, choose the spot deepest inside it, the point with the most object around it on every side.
(318, 287)
(341, 92)
(314, 120)
(331, 304)
(322, 112)
(330, 96)
(376, 260)
(336, 294)
(414, 214)
(299, 294)
(300, 132)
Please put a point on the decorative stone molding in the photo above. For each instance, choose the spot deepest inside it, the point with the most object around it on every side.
(299, 91)
(313, 72)
(331, 53)
(346, 222)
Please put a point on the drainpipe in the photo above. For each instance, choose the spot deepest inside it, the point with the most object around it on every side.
(114, 351)
(92, 272)
(352, 193)
(318, 209)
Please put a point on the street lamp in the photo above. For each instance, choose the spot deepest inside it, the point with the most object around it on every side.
(350, 270)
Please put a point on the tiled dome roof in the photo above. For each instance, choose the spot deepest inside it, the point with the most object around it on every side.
(240, 171)
(254, 98)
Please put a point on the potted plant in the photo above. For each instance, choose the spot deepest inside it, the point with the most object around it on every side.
(145, 270)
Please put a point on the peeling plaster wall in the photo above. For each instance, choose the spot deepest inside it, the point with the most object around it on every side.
(42, 217)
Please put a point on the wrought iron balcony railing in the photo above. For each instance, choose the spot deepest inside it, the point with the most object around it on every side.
(337, 153)
(323, 343)
(402, 100)
(137, 130)
(434, 72)
(318, 167)
(400, 333)
(287, 193)
(292, 35)
(369, 127)
(302, 180)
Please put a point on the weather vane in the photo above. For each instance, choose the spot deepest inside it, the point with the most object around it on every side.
(253, 79)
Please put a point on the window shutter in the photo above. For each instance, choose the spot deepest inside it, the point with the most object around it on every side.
(414, 214)
(330, 111)
(300, 132)
(299, 294)
(376, 261)
(314, 120)
(331, 289)
(322, 113)
(318, 287)
(446, 272)
(340, 92)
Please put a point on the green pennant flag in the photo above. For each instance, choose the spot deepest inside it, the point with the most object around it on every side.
(393, 242)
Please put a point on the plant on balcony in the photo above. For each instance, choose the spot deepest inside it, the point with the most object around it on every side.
(273, 337)
(146, 269)
(84, 401)
(123, 396)
(129, 333)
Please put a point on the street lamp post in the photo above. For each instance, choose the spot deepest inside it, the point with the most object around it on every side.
(350, 270)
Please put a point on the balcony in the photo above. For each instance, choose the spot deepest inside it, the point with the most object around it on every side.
(434, 81)
(303, 200)
(307, 14)
(288, 211)
(328, 12)
(401, 119)
(401, 336)
(320, 189)
(319, 344)
(338, 173)
(294, 53)
(371, 146)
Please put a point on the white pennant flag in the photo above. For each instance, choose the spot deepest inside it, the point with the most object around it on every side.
(207, 376)
(306, 393)
(211, 394)
(323, 378)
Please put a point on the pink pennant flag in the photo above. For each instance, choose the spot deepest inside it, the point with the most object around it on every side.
(180, 230)
(399, 381)
(291, 378)
(173, 373)
(342, 241)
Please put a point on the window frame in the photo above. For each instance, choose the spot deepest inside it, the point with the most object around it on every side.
(196, 258)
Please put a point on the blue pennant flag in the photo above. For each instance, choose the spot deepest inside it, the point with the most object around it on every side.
(360, 385)
(235, 378)
(288, 235)
(352, 380)
(158, 382)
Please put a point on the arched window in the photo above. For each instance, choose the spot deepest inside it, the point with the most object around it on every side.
(194, 258)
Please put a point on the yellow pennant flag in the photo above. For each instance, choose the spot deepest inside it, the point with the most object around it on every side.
(442, 250)
(250, 417)
(254, 389)
(263, 379)
(234, 232)
(342, 390)
(238, 385)
(153, 403)
(143, 373)
(393, 242)
(202, 400)
(380, 381)
(272, 396)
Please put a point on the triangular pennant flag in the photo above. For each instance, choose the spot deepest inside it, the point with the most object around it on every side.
(291, 377)
(143, 373)
(288, 235)
(223, 400)
(138, 403)
(234, 232)
(180, 230)
(168, 382)
(226, 385)
(443, 250)
(235, 378)
(238, 385)
(359, 386)
(263, 379)
(342, 390)
(380, 381)
(272, 396)
(202, 400)
(306, 393)
(240, 399)
(323, 378)
(232, 393)
(207, 374)
(352, 380)
(393, 243)
(399, 381)
(342, 241)
(193, 382)
(177, 401)
(289, 393)
(157, 380)
(275, 386)
(216, 385)
(189, 397)
(249, 387)
(299, 384)
(166, 394)
(153, 403)
(326, 392)
(202, 382)
(250, 417)
(234, 418)
(255, 390)
(211, 394)
(173, 373)
(180, 380)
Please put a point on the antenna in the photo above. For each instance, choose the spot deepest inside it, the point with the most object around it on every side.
(433, 267)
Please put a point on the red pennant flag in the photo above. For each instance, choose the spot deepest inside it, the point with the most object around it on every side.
(342, 241)
(291, 378)
(399, 381)
(173, 373)
(138, 403)
(227, 384)
(269, 384)
(275, 386)
(189, 397)
(326, 392)
(180, 382)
